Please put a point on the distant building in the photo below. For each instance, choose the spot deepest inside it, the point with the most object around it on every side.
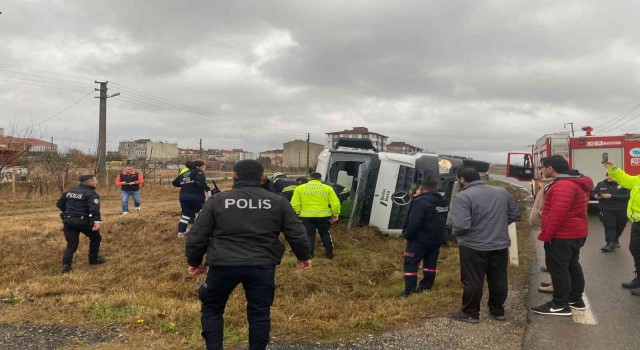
(27, 145)
(188, 153)
(401, 147)
(234, 155)
(275, 157)
(379, 141)
(295, 154)
(8, 157)
(147, 149)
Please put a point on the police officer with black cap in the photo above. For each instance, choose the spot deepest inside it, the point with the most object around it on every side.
(80, 208)
(238, 230)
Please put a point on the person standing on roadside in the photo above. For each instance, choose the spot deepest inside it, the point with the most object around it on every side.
(633, 213)
(129, 181)
(80, 212)
(564, 230)
(612, 201)
(424, 230)
(193, 189)
(318, 206)
(481, 215)
(238, 230)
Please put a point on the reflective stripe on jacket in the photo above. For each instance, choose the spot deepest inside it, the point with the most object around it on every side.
(315, 200)
(632, 183)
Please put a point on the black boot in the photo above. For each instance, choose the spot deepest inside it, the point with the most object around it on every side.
(97, 260)
(407, 293)
(65, 269)
(609, 247)
(636, 291)
(635, 283)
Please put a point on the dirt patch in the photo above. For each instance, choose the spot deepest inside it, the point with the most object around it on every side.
(30, 336)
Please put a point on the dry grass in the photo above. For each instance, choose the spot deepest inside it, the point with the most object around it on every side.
(145, 296)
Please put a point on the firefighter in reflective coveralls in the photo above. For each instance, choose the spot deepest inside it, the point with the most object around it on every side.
(424, 230)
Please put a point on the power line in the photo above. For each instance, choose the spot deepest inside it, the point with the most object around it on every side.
(46, 86)
(139, 97)
(196, 117)
(197, 111)
(48, 82)
(45, 72)
(55, 115)
(623, 124)
(611, 123)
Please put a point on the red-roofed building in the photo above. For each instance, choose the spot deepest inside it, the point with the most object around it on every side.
(359, 132)
(8, 157)
(28, 145)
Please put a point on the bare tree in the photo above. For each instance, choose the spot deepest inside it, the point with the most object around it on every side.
(18, 145)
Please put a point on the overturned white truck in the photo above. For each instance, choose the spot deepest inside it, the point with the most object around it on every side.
(380, 184)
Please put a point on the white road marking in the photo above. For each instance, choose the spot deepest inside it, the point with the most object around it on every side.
(584, 316)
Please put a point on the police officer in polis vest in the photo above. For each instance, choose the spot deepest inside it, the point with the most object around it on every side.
(238, 230)
(129, 181)
(80, 208)
(612, 202)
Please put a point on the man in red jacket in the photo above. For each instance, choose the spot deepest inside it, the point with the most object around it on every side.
(564, 231)
(129, 181)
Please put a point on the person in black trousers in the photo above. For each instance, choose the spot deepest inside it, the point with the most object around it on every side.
(239, 232)
(80, 212)
(612, 201)
(424, 230)
(193, 186)
(480, 216)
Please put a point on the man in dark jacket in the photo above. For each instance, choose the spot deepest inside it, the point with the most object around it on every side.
(612, 201)
(564, 230)
(238, 230)
(480, 215)
(193, 190)
(80, 208)
(424, 230)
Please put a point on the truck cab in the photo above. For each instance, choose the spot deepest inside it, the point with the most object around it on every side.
(381, 184)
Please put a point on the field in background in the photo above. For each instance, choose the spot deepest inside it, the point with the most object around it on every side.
(143, 297)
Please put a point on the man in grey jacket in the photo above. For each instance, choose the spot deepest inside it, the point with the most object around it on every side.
(480, 216)
(238, 230)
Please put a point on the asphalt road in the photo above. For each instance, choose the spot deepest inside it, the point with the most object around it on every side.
(612, 319)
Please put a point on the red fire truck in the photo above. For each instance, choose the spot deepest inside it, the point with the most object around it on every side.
(584, 153)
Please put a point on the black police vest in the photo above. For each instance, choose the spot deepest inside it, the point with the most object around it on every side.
(129, 178)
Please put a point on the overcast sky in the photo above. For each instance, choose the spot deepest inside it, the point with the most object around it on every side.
(472, 78)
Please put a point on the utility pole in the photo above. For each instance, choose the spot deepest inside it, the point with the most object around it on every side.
(102, 133)
(572, 133)
(308, 135)
(200, 148)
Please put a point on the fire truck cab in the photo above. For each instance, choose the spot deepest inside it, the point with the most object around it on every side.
(583, 153)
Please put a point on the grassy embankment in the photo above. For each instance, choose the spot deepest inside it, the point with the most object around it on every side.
(146, 297)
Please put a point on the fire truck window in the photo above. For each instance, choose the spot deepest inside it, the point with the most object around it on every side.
(527, 161)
